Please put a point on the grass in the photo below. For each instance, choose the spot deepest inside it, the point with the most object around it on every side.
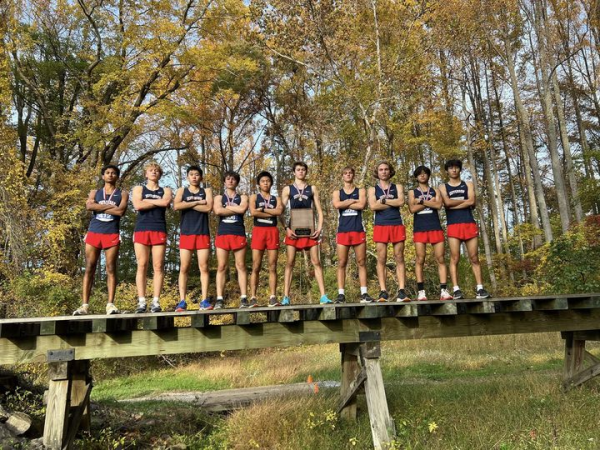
(491, 392)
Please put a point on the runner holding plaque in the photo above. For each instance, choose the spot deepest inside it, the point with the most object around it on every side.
(301, 233)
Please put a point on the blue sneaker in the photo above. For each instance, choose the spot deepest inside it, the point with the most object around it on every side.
(285, 301)
(181, 306)
(325, 300)
(206, 305)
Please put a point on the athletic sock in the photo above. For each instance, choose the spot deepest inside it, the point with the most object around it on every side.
(142, 300)
(219, 298)
(155, 301)
(421, 286)
(479, 287)
(456, 288)
(341, 291)
(443, 286)
(243, 296)
(363, 290)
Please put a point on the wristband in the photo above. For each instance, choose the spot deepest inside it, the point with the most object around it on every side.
(383, 200)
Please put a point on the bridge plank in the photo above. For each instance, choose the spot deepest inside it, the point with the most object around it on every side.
(546, 304)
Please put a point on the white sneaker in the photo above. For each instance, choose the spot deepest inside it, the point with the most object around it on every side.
(111, 309)
(83, 310)
(421, 296)
(445, 295)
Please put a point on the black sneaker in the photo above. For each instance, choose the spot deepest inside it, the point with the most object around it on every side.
(155, 308)
(253, 303)
(219, 304)
(482, 293)
(273, 302)
(366, 298)
(341, 298)
(141, 308)
(383, 296)
(457, 295)
(244, 303)
(402, 297)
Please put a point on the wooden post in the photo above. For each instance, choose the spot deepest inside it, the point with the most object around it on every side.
(382, 425)
(57, 410)
(350, 370)
(574, 355)
(79, 386)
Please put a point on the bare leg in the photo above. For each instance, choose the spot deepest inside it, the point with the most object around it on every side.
(289, 268)
(316, 262)
(142, 255)
(439, 253)
(454, 245)
(257, 256)
(421, 251)
(381, 260)
(158, 264)
(473, 251)
(111, 271)
(273, 255)
(360, 252)
(185, 258)
(92, 254)
(400, 267)
(203, 256)
(222, 260)
(240, 266)
(342, 253)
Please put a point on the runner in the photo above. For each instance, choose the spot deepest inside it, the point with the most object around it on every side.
(150, 234)
(459, 200)
(386, 199)
(231, 236)
(265, 208)
(195, 203)
(108, 206)
(302, 195)
(350, 201)
(424, 202)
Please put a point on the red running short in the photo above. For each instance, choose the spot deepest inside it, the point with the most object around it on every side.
(463, 231)
(387, 234)
(301, 243)
(265, 238)
(101, 241)
(194, 241)
(150, 238)
(351, 238)
(428, 237)
(230, 242)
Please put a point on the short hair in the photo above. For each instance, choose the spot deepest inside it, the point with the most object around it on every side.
(113, 167)
(351, 169)
(232, 174)
(153, 164)
(263, 174)
(193, 167)
(453, 163)
(422, 169)
(392, 170)
(299, 163)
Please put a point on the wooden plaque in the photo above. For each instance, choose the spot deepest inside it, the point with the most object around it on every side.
(302, 221)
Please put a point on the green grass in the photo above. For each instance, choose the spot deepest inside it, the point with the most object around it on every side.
(488, 392)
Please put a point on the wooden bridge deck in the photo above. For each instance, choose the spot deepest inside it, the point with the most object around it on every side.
(124, 335)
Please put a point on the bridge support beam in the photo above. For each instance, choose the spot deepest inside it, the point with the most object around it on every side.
(576, 357)
(68, 409)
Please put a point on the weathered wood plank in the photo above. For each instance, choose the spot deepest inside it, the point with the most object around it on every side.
(546, 304)
(442, 309)
(382, 425)
(581, 377)
(350, 370)
(242, 318)
(157, 322)
(584, 303)
(347, 405)
(328, 313)
(485, 307)
(113, 325)
(587, 335)
(18, 330)
(57, 409)
(374, 311)
(406, 310)
(66, 327)
(514, 306)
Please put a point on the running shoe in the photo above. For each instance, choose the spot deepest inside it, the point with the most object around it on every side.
(141, 308)
(285, 301)
(244, 302)
(253, 303)
(206, 305)
(458, 295)
(402, 297)
(445, 295)
(366, 298)
(324, 300)
(219, 304)
(482, 293)
(383, 296)
(341, 298)
(83, 310)
(273, 302)
(421, 296)
(181, 306)
(112, 309)
(155, 308)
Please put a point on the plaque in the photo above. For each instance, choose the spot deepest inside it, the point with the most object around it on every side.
(302, 221)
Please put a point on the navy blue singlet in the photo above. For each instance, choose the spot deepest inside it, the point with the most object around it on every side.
(194, 222)
(271, 204)
(428, 219)
(389, 216)
(231, 224)
(152, 219)
(106, 223)
(350, 219)
(460, 192)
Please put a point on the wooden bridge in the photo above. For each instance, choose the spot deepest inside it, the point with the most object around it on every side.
(68, 343)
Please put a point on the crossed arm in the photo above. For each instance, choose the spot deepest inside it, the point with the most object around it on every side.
(350, 203)
(459, 204)
(230, 210)
(91, 205)
(198, 205)
(415, 206)
(376, 205)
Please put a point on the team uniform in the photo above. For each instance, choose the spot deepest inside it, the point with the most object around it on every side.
(301, 199)
(350, 226)
(194, 231)
(265, 235)
(461, 223)
(103, 231)
(388, 226)
(151, 224)
(231, 233)
(427, 228)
